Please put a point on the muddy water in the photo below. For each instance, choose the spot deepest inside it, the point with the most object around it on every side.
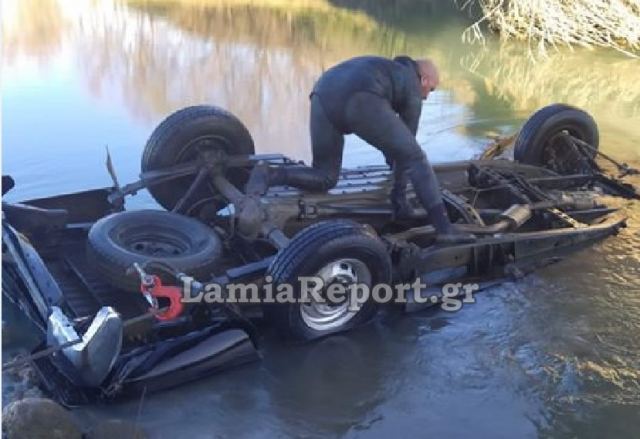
(554, 355)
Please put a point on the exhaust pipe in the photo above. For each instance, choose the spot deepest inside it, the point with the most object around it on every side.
(511, 219)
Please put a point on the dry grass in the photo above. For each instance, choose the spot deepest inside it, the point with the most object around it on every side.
(543, 23)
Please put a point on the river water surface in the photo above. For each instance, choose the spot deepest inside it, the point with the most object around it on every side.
(555, 355)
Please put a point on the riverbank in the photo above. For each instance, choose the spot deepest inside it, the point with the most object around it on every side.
(552, 23)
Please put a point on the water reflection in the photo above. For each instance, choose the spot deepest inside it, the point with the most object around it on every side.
(260, 60)
(32, 28)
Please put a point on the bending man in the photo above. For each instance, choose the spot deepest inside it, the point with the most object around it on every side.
(380, 101)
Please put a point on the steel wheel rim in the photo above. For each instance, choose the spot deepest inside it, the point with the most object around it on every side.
(154, 244)
(322, 316)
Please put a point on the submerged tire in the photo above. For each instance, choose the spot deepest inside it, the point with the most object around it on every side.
(116, 241)
(179, 137)
(538, 141)
(337, 251)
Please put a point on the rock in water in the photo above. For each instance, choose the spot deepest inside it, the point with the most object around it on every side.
(116, 428)
(38, 418)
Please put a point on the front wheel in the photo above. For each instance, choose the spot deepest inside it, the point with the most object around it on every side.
(334, 252)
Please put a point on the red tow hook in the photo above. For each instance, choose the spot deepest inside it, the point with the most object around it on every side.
(152, 288)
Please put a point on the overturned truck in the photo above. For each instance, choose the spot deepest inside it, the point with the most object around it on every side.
(103, 284)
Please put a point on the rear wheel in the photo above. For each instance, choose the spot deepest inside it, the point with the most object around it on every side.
(335, 252)
(185, 134)
(545, 139)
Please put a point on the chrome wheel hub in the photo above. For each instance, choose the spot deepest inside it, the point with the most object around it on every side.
(326, 315)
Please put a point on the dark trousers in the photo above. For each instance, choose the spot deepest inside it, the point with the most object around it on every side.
(371, 118)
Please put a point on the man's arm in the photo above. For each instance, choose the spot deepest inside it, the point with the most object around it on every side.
(410, 114)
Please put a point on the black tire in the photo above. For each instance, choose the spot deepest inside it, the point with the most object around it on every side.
(177, 139)
(310, 250)
(116, 241)
(537, 137)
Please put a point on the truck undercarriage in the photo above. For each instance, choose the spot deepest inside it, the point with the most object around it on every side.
(103, 338)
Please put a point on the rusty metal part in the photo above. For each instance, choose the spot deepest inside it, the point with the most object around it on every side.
(567, 219)
(622, 167)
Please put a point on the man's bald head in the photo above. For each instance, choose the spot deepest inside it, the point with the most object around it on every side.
(429, 76)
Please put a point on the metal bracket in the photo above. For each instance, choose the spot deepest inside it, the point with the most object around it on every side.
(307, 211)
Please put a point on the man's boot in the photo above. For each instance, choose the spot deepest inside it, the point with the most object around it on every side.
(427, 188)
(446, 234)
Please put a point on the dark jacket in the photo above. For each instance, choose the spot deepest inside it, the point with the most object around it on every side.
(397, 81)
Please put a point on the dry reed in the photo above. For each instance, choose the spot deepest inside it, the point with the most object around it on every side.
(589, 23)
